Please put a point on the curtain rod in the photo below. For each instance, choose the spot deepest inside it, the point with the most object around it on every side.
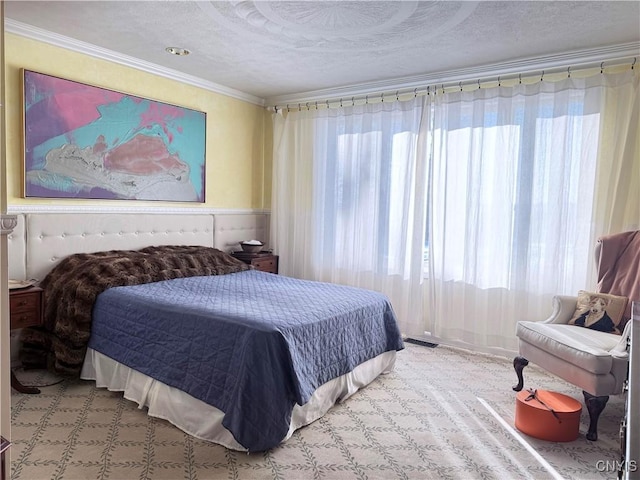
(428, 89)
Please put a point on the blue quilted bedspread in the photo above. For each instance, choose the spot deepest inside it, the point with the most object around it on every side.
(252, 344)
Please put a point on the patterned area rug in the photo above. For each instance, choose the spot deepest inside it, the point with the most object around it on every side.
(444, 413)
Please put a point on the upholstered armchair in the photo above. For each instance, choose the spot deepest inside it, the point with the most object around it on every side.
(595, 361)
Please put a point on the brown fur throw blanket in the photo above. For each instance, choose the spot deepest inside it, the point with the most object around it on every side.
(71, 288)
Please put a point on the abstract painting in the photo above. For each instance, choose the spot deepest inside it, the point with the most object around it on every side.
(88, 142)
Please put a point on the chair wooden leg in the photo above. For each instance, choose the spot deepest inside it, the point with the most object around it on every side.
(518, 364)
(595, 405)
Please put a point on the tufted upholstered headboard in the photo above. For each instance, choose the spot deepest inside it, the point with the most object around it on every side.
(17, 251)
(41, 240)
(231, 229)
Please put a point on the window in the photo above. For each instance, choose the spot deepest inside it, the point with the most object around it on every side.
(515, 183)
(365, 200)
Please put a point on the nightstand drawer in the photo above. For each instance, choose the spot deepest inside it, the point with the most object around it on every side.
(24, 301)
(269, 264)
(263, 261)
(30, 318)
(25, 307)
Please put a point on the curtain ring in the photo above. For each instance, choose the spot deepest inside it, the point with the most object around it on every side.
(460, 85)
(397, 98)
(299, 108)
(499, 82)
(382, 97)
(366, 99)
(443, 88)
(327, 104)
(276, 108)
(353, 102)
(478, 84)
(316, 105)
(542, 76)
(415, 90)
(634, 62)
(307, 106)
(340, 103)
(601, 67)
(520, 78)
(569, 72)
(288, 108)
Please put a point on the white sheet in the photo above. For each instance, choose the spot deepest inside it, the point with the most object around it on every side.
(205, 421)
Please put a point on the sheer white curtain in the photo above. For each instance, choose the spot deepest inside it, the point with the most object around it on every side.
(617, 207)
(512, 214)
(512, 186)
(349, 198)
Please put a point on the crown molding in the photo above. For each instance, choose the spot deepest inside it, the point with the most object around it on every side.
(160, 210)
(34, 33)
(549, 63)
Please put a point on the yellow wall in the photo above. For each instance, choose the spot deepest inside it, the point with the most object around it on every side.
(238, 171)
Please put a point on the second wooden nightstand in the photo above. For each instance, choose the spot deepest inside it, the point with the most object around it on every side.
(263, 261)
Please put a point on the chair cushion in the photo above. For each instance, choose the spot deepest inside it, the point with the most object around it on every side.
(586, 348)
(599, 311)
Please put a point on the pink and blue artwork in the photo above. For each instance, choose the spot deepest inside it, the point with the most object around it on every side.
(88, 142)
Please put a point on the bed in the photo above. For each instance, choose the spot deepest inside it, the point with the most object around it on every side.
(227, 353)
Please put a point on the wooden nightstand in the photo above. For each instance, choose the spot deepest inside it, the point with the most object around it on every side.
(25, 310)
(263, 261)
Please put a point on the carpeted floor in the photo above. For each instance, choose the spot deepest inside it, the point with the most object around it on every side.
(444, 413)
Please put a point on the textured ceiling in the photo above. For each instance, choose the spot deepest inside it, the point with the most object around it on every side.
(270, 49)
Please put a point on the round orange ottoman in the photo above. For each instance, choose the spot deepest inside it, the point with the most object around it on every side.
(535, 418)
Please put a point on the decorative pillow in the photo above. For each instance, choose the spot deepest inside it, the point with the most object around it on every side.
(599, 311)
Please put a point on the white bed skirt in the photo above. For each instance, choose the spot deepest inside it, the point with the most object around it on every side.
(204, 421)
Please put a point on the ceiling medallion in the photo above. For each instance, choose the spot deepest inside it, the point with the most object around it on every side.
(339, 25)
